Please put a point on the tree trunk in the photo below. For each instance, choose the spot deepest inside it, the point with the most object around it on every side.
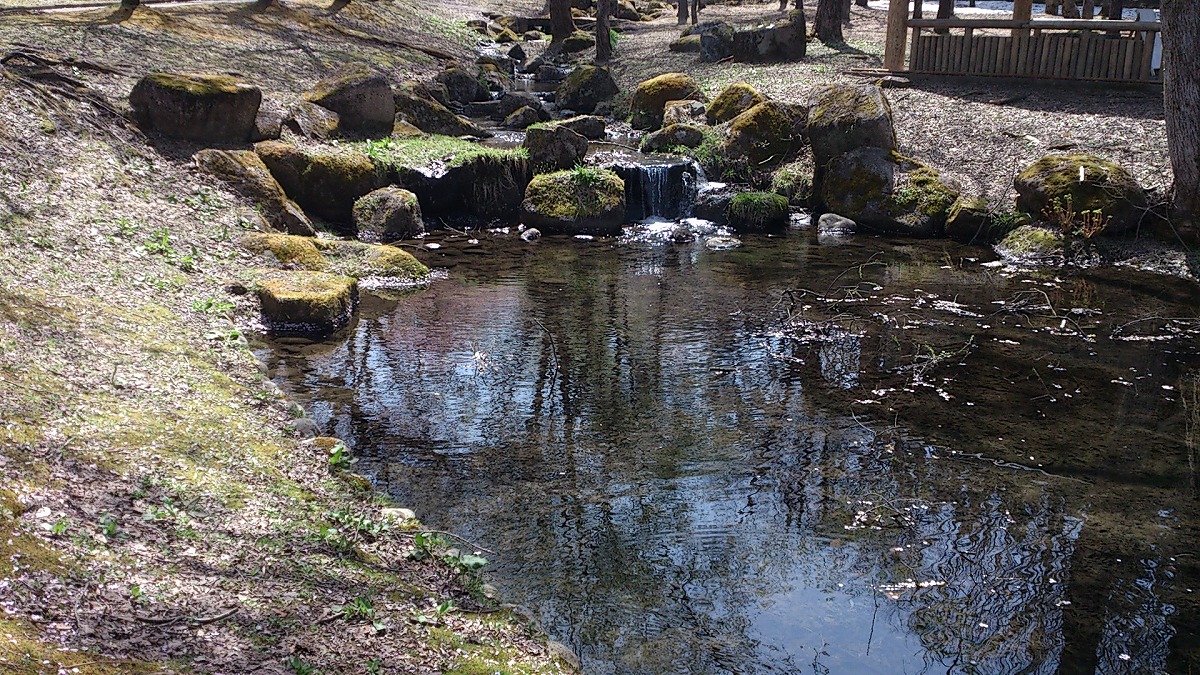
(1181, 94)
(861, 3)
(604, 46)
(562, 24)
(945, 11)
(827, 25)
(918, 5)
(1053, 6)
(1070, 9)
(1089, 9)
(1115, 8)
(683, 12)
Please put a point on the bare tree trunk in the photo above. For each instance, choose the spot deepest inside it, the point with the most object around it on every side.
(945, 11)
(562, 24)
(604, 46)
(1114, 9)
(683, 12)
(1089, 9)
(1181, 94)
(1053, 6)
(1070, 9)
(861, 3)
(846, 13)
(918, 6)
(827, 25)
(695, 11)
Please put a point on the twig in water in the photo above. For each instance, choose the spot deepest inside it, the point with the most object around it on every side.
(464, 540)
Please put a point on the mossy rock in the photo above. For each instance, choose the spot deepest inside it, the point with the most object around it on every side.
(325, 181)
(734, 100)
(1032, 243)
(651, 96)
(198, 107)
(416, 105)
(292, 252)
(766, 134)
(462, 86)
(388, 214)
(250, 176)
(688, 44)
(757, 212)
(1085, 183)
(552, 148)
(312, 121)
(684, 112)
(505, 36)
(886, 192)
(591, 127)
(521, 118)
(673, 136)
(577, 42)
(585, 200)
(362, 99)
(971, 221)
(585, 88)
(794, 181)
(845, 117)
(403, 129)
(303, 302)
(360, 260)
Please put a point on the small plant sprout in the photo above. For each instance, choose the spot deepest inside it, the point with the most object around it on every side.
(338, 456)
(212, 306)
(109, 525)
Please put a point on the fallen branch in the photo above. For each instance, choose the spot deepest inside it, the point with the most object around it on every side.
(452, 535)
(195, 621)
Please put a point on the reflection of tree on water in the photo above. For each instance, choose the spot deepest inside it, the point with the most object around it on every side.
(668, 496)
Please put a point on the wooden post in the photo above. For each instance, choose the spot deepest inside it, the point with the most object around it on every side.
(897, 31)
(1022, 11)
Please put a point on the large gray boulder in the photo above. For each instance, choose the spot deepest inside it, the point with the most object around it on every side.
(886, 192)
(553, 147)
(716, 40)
(362, 99)
(417, 106)
(388, 214)
(1064, 186)
(325, 181)
(585, 88)
(844, 117)
(313, 121)
(197, 107)
(462, 86)
(673, 136)
(650, 98)
(784, 40)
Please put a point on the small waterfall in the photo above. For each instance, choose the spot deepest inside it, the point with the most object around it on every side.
(657, 187)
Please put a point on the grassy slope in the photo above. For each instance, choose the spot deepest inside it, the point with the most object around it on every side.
(149, 485)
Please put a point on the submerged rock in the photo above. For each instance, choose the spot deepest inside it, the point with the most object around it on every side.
(580, 201)
(196, 107)
(306, 302)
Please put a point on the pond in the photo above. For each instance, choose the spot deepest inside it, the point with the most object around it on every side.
(806, 454)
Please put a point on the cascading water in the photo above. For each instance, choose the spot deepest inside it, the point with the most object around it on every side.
(657, 187)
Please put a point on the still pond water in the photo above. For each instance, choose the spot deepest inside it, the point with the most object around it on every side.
(801, 455)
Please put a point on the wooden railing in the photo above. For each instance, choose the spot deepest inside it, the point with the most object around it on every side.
(1059, 49)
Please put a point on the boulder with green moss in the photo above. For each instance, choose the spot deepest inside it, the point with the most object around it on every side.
(196, 107)
(716, 40)
(674, 136)
(303, 302)
(243, 170)
(289, 251)
(388, 214)
(590, 127)
(781, 41)
(651, 96)
(577, 42)
(1081, 183)
(417, 106)
(521, 118)
(326, 181)
(1032, 244)
(402, 129)
(794, 180)
(361, 260)
(886, 192)
(585, 88)
(972, 221)
(584, 200)
(462, 86)
(757, 212)
(312, 121)
(844, 117)
(362, 99)
(688, 44)
(734, 100)
(684, 112)
(553, 147)
(766, 134)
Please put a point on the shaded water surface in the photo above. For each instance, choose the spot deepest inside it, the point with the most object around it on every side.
(853, 456)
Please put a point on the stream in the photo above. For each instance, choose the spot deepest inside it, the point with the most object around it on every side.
(810, 453)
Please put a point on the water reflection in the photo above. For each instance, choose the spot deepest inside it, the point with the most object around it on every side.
(681, 479)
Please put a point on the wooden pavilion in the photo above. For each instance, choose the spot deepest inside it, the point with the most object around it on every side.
(1054, 49)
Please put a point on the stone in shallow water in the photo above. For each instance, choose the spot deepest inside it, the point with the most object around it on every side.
(306, 302)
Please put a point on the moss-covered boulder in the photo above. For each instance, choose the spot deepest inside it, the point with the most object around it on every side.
(243, 170)
(794, 180)
(577, 42)
(388, 214)
(783, 40)
(757, 212)
(591, 127)
(462, 86)
(196, 107)
(325, 181)
(651, 96)
(362, 99)
(402, 129)
(584, 200)
(1032, 244)
(766, 134)
(886, 192)
(971, 221)
(734, 100)
(845, 117)
(716, 40)
(289, 251)
(552, 148)
(302, 302)
(513, 101)
(674, 136)
(683, 112)
(417, 106)
(361, 260)
(521, 118)
(312, 121)
(688, 44)
(585, 88)
(1082, 183)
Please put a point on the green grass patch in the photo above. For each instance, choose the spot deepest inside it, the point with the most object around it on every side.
(432, 151)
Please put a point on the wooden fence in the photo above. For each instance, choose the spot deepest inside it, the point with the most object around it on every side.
(1060, 49)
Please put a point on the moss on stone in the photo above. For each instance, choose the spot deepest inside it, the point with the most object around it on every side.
(198, 84)
(289, 250)
(1031, 241)
(757, 211)
(924, 191)
(578, 41)
(357, 259)
(1088, 182)
(306, 302)
(794, 182)
(646, 105)
(685, 44)
(576, 194)
(432, 151)
(762, 134)
(734, 100)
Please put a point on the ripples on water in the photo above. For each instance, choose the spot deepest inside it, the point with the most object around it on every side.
(788, 457)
